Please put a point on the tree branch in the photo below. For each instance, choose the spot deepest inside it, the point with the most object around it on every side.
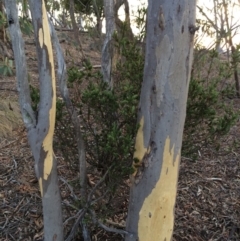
(108, 229)
(62, 76)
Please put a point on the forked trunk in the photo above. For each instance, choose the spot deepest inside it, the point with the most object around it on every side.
(40, 126)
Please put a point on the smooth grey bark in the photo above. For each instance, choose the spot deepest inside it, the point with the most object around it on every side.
(113, 23)
(107, 50)
(161, 116)
(28, 114)
(39, 127)
(52, 209)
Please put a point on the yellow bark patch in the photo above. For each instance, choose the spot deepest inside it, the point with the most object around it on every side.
(45, 39)
(40, 36)
(40, 185)
(156, 217)
(140, 149)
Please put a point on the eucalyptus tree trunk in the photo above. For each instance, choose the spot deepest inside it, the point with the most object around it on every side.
(4, 40)
(110, 54)
(127, 17)
(234, 51)
(120, 25)
(40, 126)
(107, 50)
(98, 14)
(162, 110)
(2, 27)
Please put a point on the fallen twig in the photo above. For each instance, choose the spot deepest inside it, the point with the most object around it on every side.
(97, 185)
(70, 188)
(6, 89)
(4, 225)
(74, 217)
(108, 229)
(213, 179)
(76, 224)
(70, 205)
(115, 224)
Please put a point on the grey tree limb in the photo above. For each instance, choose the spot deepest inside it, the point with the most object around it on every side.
(18, 45)
(40, 128)
(108, 229)
(107, 49)
(62, 77)
(161, 116)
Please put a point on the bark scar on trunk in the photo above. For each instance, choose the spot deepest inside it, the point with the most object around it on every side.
(161, 201)
(161, 20)
(140, 153)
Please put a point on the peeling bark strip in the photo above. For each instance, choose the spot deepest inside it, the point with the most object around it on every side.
(45, 54)
(161, 118)
(40, 127)
(157, 213)
(140, 149)
(45, 161)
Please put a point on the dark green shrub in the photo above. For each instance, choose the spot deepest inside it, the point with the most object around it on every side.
(108, 117)
(6, 67)
(35, 97)
(209, 109)
(26, 25)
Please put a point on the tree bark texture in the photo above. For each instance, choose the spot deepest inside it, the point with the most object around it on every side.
(127, 23)
(4, 41)
(2, 27)
(162, 110)
(107, 50)
(98, 13)
(40, 126)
